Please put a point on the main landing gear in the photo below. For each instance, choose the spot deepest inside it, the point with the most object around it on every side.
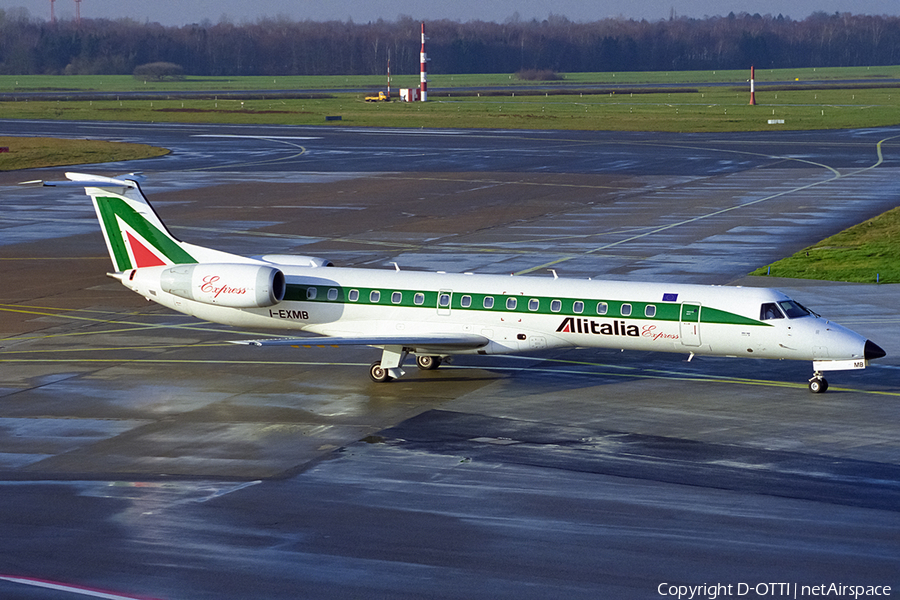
(428, 363)
(817, 384)
(379, 374)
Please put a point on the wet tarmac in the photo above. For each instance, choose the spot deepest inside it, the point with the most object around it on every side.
(141, 455)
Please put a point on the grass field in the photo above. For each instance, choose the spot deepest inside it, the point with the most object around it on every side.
(707, 109)
(127, 83)
(865, 253)
(810, 103)
(32, 153)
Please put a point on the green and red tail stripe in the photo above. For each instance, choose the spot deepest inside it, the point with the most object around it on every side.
(133, 240)
(135, 235)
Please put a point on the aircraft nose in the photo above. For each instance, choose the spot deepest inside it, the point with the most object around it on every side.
(873, 351)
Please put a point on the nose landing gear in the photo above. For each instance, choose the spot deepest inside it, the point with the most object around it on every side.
(818, 384)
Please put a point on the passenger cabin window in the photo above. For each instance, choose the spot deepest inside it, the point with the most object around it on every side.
(311, 293)
(650, 311)
(534, 304)
(332, 294)
(556, 305)
(444, 300)
(511, 303)
(769, 311)
(374, 296)
(488, 302)
(578, 307)
(419, 299)
(397, 297)
(626, 310)
(353, 295)
(466, 301)
(602, 308)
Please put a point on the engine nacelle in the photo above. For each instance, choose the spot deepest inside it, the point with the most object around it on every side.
(231, 285)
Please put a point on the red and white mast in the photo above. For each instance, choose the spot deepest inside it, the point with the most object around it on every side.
(423, 79)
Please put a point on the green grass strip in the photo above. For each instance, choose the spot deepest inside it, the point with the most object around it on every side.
(865, 253)
(33, 153)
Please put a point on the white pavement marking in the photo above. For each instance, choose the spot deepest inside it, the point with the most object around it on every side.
(73, 589)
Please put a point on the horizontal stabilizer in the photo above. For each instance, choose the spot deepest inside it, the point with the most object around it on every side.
(82, 180)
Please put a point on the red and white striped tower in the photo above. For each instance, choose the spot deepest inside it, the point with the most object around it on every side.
(52, 14)
(752, 85)
(78, 12)
(423, 79)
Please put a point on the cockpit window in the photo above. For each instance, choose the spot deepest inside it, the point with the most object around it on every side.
(769, 311)
(792, 309)
(778, 310)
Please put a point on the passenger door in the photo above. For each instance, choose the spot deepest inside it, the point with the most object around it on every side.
(690, 324)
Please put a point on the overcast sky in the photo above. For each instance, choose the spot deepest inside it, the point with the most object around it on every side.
(181, 12)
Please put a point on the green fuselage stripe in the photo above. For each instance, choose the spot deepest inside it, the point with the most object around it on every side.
(662, 311)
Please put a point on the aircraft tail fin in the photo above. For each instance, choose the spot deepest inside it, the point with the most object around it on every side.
(135, 235)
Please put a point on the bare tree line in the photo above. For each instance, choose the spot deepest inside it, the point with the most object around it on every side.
(286, 47)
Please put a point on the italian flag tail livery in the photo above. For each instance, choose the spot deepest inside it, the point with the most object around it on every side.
(135, 236)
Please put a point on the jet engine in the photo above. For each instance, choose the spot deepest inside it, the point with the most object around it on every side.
(231, 285)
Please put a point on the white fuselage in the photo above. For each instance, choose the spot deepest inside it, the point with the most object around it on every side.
(521, 314)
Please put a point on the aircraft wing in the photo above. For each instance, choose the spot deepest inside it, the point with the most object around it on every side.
(433, 342)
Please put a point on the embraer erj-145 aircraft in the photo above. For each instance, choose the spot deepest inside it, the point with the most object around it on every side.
(435, 315)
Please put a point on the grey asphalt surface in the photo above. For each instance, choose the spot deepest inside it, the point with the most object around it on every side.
(143, 456)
